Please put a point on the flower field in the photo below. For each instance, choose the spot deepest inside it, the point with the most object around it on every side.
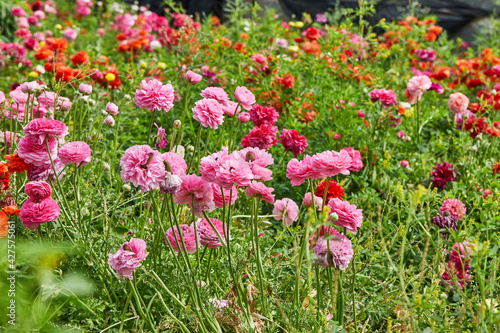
(163, 173)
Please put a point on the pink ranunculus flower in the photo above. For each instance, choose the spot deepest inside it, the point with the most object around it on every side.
(208, 236)
(18, 96)
(293, 142)
(263, 137)
(209, 165)
(231, 108)
(220, 200)
(349, 216)
(233, 171)
(128, 258)
(360, 114)
(307, 202)
(245, 97)
(32, 151)
(455, 207)
(404, 164)
(18, 12)
(195, 190)
(154, 95)
(38, 190)
(331, 163)
(176, 163)
(112, 109)
(299, 171)
(43, 128)
(340, 248)
(458, 103)
(46, 172)
(192, 77)
(70, 34)
(243, 117)
(109, 120)
(188, 236)
(386, 97)
(263, 115)
(286, 211)
(85, 88)
(416, 87)
(258, 160)
(259, 190)
(142, 166)
(29, 87)
(357, 163)
(215, 93)
(77, 152)
(209, 113)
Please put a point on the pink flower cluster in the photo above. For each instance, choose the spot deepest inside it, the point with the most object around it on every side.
(128, 258)
(39, 207)
(322, 165)
(458, 267)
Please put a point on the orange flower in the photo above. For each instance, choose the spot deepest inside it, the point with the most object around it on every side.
(3, 168)
(59, 45)
(16, 163)
(4, 224)
(215, 21)
(11, 210)
(244, 36)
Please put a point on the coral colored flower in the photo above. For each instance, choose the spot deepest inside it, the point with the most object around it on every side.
(176, 163)
(34, 152)
(386, 97)
(43, 127)
(154, 95)
(192, 77)
(4, 224)
(307, 202)
(142, 166)
(197, 193)
(11, 210)
(335, 251)
(128, 257)
(263, 137)
(207, 234)
(4, 177)
(442, 174)
(335, 190)
(245, 97)
(458, 103)
(209, 113)
(349, 216)
(293, 142)
(259, 190)
(357, 163)
(215, 93)
(229, 197)
(16, 164)
(183, 236)
(286, 211)
(455, 207)
(77, 152)
(263, 115)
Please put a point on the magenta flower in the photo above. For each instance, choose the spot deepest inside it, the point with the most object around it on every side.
(154, 95)
(188, 236)
(45, 171)
(263, 115)
(426, 54)
(128, 258)
(455, 207)
(386, 97)
(286, 210)
(442, 174)
(208, 236)
(39, 207)
(215, 93)
(404, 164)
(161, 138)
(195, 190)
(43, 127)
(142, 166)
(77, 152)
(219, 200)
(33, 152)
(349, 216)
(259, 190)
(245, 97)
(209, 113)
(340, 253)
(263, 137)
(293, 142)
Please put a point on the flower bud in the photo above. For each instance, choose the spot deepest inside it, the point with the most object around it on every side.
(190, 148)
(126, 187)
(177, 123)
(106, 166)
(334, 216)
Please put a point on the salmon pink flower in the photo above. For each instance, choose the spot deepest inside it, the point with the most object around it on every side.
(77, 152)
(39, 207)
(458, 103)
(416, 87)
(455, 207)
(331, 163)
(299, 171)
(32, 151)
(357, 163)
